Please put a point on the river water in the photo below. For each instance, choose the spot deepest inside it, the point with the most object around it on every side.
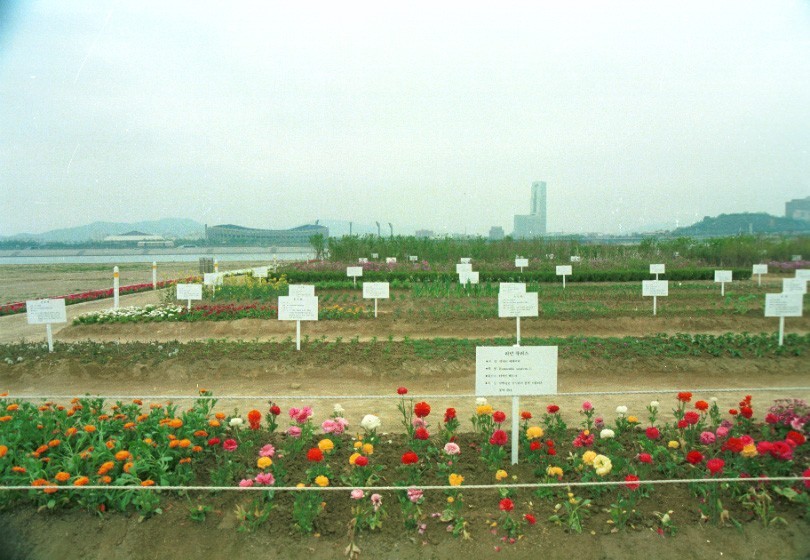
(146, 258)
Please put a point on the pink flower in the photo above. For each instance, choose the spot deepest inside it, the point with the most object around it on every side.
(722, 431)
(246, 482)
(421, 433)
(376, 501)
(267, 451)
(586, 406)
(265, 479)
(357, 494)
(418, 422)
(706, 438)
(294, 431)
(229, 445)
(452, 448)
(300, 415)
(414, 494)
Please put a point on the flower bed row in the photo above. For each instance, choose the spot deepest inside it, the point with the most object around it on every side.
(92, 295)
(203, 312)
(57, 449)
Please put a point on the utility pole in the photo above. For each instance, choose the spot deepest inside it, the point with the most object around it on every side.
(392, 229)
(378, 229)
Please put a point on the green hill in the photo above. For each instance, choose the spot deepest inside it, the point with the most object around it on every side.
(747, 223)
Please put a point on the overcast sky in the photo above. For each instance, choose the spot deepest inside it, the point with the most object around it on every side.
(425, 114)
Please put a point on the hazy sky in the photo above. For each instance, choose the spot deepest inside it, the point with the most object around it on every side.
(427, 114)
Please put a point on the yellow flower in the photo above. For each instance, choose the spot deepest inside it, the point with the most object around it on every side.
(450, 499)
(326, 445)
(353, 458)
(632, 419)
(500, 475)
(588, 457)
(534, 432)
(673, 444)
(749, 451)
(358, 444)
(554, 471)
(368, 449)
(264, 462)
(602, 465)
(300, 485)
(321, 481)
(484, 410)
(455, 479)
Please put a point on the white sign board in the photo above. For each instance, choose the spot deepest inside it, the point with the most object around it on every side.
(413, 258)
(260, 272)
(212, 279)
(784, 305)
(521, 263)
(291, 308)
(375, 290)
(794, 286)
(509, 288)
(301, 290)
(760, 269)
(354, 271)
(375, 255)
(564, 270)
(722, 276)
(658, 269)
(650, 288)
(390, 260)
(362, 260)
(465, 267)
(189, 291)
(803, 273)
(465, 260)
(468, 277)
(518, 305)
(576, 258)
(510, 371)
(45, 311)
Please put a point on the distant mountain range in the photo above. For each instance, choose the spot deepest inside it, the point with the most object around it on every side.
(97, 231)
(746, 223)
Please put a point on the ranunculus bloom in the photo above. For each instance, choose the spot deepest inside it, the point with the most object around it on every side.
(702, 405)
(691, 417)
(796, 437)
(588, 457)
(455, 479)
(402, 391)
(645, 458)
(452, 448)
(552, 409)
(264, 462)
(682, 424)
(535, 445)
(449, 414)
(631, 481)
(361, 461)
(500, 474)
(326, 445)
(530, 519)
(255, 419)
(414, 494)
(370, 422)
(499, 437)
(621, 410)
(653, 433)
(265, 479)
(735, 445)
(781, 450)
(685, 396)
(421, 409)
(806, 476)
(321, 481)
(602, 465)
(275, 410)
(315, 455)
(694, 457)
(376, 501)
(607, 433)
(421, 433)
(409, 458)
(534, 432)
(721, 431)
(357, 494)
(526, 415)
(294, 431)
(707, 438)
(499, 416)
(771, 418)
(267, 451)
(229, 445)
(746, 412)
(749, 450)
(246, 482)
(554, 471)
(586, 406)
(715, 466)
(506, 505)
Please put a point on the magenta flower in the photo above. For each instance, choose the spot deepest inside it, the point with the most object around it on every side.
(707, 438)
(294, 431)
(376, 501)
(357, 494)
(586, 406)
(246, 482)
(267, 451)
(229, 445)
(265, 479)
(415, 494)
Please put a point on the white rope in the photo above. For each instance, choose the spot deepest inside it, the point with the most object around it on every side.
(408, 396)
(400, 488)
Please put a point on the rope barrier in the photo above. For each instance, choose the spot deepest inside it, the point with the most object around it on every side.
(400, 488)
(409, 395)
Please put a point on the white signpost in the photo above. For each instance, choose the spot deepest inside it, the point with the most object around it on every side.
(658, 269)
(45, 312)
(261, 271)
(465, 278)
(576, 259)
(509, 288)
(375, 255)
(654, 288)
(154, 275)
(783, 305)
(803, 273)
(722, 276)
(521, 264)
(512, 303)
(390, 260)
(212, 279)
(353, 272)
(463, 267)
(759, 270)
(794, 286)
(293, 308)
(116, 287)
(189, 292)
(465, 260)
(564, 270)
(301, 290)
(413, 258)
(375, 291)
(362, 260)
(515, 371)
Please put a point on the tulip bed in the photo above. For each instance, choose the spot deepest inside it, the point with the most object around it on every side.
(114, 448)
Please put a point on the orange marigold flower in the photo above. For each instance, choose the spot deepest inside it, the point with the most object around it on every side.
(105, 479)
(185, 460)
(128, 466)
(106, 467)
(5, 418)
(120, 416)
(155, 406)
(40, 427)
(200, 433)
(175, 423)
(81, 481)
(110, 443)
(129, 425)
(12, 407)
(46, 459)
(142, 418)
(4, 394)
(103, 417)
(219, 416)
(54, 443)
(139, 402)
(50, 489)
(62, 476)
(71, 412)
(147, 441)
(174, 443)
(148, 482)
(74, 400)
(123, 455)
(185, 442)
(3, 451)
(19, 469)
(89, 428)
(41, 449)
(70, 431)
(60, 408)
(212, 423)
(39, 482)
(195, 449)
(78, 407)
(44, 408)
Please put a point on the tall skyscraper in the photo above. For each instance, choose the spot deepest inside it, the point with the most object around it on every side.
(533, 224)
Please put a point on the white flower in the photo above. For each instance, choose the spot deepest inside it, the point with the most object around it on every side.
(654, 404)
(713, 399)
(602, 465)
(480, 401)
(621, 410)
(339, 410)
(235, 422)
(370, 422)
(607, 433)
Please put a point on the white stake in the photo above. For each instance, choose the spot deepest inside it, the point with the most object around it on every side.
(189, 305)
(154, 275)
(781, 330)
(722, 288)
(115, 287)
(518, 331)
(375, 308)
(655, 304)
(298, 335)
(563, 281)
(515, 428)
(49, 332)
(759, 280)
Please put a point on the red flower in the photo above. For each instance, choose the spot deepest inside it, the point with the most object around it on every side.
(771, 418)
(733, 412)
(421, 433)
(795, 437)
(551, 451)
(361, 461)
(645, 458)
(449, 414)
(499, 416)
(653, 433)
(806, 476)
(682, 424)
(526, 415)
(213, 441)
(229, 445)
(781, 450)
(553, 409)
(275, 410)
(702, 406)
(421, 409)
(506, 505)
(694, 457)
(531, 520)
(715, 466)
(499, 437)
(746, 411)
(402, 391)
(255, 419)
(691, 417)
(409, 458)
(631, 481)
(315, 455)
(735, 445)
(535, 445)
(685, 396)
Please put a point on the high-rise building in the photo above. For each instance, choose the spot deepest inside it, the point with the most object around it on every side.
(533, 224)
(798, 209)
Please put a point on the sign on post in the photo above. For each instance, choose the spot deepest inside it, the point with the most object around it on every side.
(564, 270)
(803, 273)
(465, 278)
(517, 371)
(654, 288)
(362, 260)
(375, 255)
(463, 267)
(116, 286)
(759, 270)
(514, 303)
(521, 264)
(576, 259)
(783, 305)
(658, 269)
(465, 260)
(45, 312)
(298, 308)
(301, 290)
(722, 276)
(413, 258)
(261, 271)
(353, 272)
(390, 260)
(375, 291)
(189, 292)
(794, 286)
(508, 288)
